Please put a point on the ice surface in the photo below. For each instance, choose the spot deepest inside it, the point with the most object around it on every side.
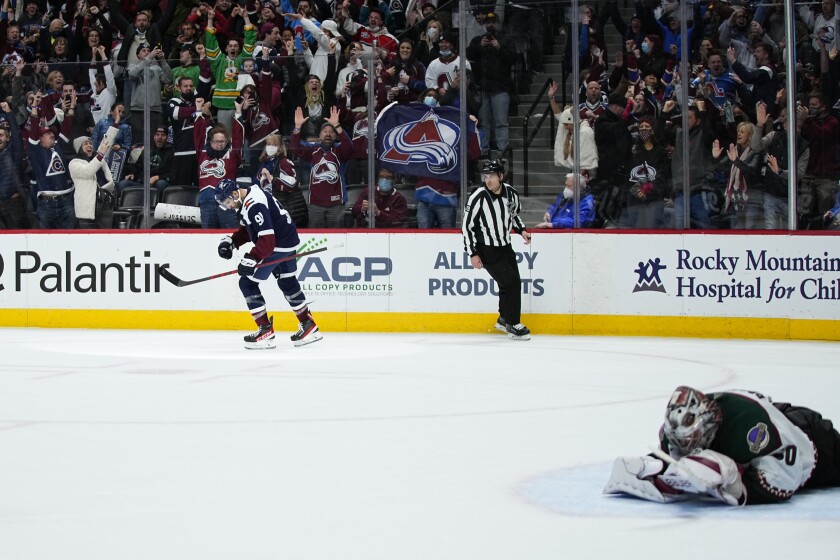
(183, 445)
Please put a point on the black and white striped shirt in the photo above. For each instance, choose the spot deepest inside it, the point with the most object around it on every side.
(488, 218)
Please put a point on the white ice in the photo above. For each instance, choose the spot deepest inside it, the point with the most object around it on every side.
(183, 445)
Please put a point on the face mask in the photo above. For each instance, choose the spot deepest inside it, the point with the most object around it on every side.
(568, 193)
(432, 33)
(430, 101)
(445, 54)
(385, 185)
(271, 151)
(813, 111)
(645, 134)
(646, 48)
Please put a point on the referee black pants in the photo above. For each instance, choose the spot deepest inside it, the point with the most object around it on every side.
(500, 262)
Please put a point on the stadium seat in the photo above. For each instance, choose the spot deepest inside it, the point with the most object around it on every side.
(123, 219)
(132, 198)
(409, 191)
(183, 195)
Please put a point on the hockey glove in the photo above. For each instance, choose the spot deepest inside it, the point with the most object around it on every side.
(226, 247)
(247, 266)
(711, 473)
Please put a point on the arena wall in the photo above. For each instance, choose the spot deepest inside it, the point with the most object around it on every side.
(767, 285)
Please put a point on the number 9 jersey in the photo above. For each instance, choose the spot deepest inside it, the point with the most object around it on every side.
(268, 225)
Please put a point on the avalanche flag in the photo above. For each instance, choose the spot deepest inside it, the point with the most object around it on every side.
(415, 139)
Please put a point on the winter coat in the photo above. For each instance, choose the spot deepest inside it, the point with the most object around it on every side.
(86, 175)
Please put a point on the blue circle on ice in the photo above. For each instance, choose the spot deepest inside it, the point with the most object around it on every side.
(578, 491)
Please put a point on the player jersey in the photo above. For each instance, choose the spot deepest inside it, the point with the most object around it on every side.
(182, 115)
(225, 69)
(381, 40)
(777, 457)
(259, 120)
(268, 225)
(441, 74)
(326, 179)
(720, 89)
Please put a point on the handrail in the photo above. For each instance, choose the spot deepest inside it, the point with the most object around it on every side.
(526, 139)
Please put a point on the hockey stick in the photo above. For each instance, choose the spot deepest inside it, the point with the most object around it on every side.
(164, 270)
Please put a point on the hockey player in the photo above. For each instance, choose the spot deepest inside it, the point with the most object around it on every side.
(491, 212)
(267, 224)
(735, 446)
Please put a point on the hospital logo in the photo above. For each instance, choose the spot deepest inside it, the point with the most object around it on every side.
(649, 280)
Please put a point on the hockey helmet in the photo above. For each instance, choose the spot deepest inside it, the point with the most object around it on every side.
(224, 190)
(691, 420)
(492, 166)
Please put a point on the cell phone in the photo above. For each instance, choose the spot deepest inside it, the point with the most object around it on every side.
(240, 100)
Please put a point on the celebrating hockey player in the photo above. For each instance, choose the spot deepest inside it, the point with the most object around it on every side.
(267, 224)
(738, 447)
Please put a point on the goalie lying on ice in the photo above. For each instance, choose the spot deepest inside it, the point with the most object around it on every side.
(735, 446)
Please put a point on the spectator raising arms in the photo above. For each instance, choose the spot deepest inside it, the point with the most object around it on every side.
(148, 76)
(219, 153)
(327, 190)
(225, 67)
(51, 188)
(103, 86)
(90, 173)
(12, 205)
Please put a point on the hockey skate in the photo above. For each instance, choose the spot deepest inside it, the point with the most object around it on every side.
(501, 325)
(518, 332)
(307, 333)
(263, 338)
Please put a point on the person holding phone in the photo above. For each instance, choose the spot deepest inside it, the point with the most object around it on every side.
(148, 76)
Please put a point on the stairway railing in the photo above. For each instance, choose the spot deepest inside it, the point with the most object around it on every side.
(528, 139)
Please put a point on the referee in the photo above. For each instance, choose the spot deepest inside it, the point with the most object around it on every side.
(490, 213)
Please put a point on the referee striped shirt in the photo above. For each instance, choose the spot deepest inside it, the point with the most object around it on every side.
(488, 218)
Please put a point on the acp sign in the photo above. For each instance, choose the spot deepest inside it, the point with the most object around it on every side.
(345, 269)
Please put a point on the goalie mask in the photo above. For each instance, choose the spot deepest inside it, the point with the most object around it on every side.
(691, 420)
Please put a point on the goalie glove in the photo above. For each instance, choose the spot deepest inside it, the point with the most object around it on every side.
(707, 472)
(638, 476)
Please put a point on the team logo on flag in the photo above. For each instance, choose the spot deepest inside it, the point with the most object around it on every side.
(415, 140)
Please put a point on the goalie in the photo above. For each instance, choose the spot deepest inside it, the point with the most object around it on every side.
(735, 446)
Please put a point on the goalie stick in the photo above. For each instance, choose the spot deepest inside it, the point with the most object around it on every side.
(164, 270)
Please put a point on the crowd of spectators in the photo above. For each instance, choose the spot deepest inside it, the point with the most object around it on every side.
(631, 141)
(275, 91)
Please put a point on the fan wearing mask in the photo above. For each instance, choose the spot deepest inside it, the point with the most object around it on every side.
(390, 206)
(276, 174)
(561, 214)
